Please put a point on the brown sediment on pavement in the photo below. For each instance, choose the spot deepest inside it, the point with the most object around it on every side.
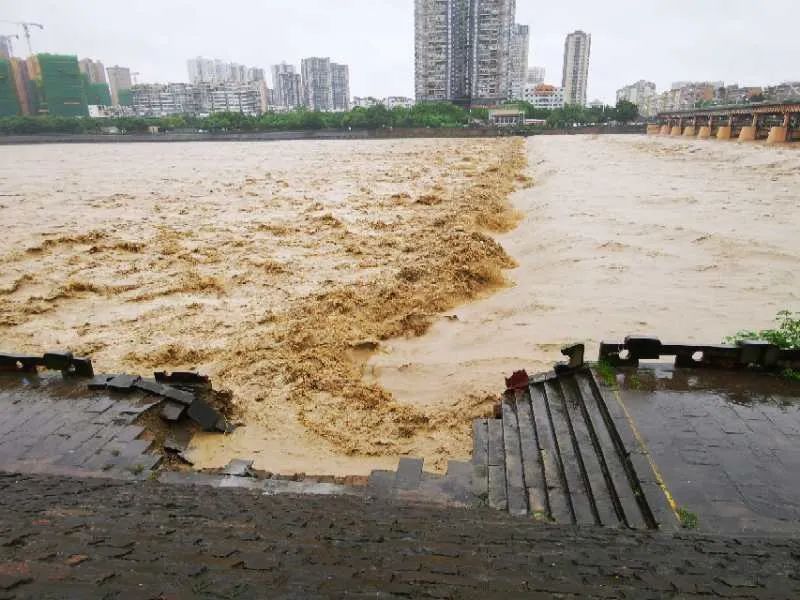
(277, 269)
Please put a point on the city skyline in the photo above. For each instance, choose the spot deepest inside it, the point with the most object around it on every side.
(376, 40)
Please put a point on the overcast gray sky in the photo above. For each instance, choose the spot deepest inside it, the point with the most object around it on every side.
(751, 42)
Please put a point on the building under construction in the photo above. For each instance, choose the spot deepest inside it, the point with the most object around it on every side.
(9, 104)
(58, 85)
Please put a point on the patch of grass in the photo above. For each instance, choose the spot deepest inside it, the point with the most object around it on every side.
(607, 373)
(786, 336)
(634, 382)
(791, 374)
(136, 469)
(688, 519)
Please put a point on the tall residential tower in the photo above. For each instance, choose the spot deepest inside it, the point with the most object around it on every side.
(577, 49)
(518, 66)
(463, 50)
(287, 90)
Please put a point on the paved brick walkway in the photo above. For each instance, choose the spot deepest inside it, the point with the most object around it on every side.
(70, 538)
(727, 443)
(55, 426)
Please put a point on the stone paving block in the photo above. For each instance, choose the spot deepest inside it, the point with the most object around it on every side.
(123, 383)
(497, 487)
(203, 414)
(495, 442)
(172, 411)
(101, 405)
(239, 467)
(100, 382)
(409, 473)
(179, 396)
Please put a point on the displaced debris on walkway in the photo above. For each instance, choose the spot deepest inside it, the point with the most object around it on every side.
(183, 392)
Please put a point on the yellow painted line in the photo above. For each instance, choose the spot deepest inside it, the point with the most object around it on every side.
(659, 478)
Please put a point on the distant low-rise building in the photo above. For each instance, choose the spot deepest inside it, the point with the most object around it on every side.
(506, 117)
(365, 101)
(545, 96)
(162, 100)
(789, 90)
(399, 102)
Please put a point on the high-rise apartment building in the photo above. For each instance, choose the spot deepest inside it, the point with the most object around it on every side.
(462, 50)
(518, 57)
(575, 78)
(201, 70)
(340, 87)
(434, 45)
(255, 74)
(208, 70)
(638, 93)
(93, 69)
(287, 91)
(491, 24)
(119, 79)
(536, 75)
(317, 83)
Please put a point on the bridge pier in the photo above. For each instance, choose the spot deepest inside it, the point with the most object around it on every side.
(779, 135)
(743, 122)
(749, 133)
(724, 132)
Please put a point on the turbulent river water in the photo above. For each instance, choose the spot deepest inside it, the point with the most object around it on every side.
(353, 295)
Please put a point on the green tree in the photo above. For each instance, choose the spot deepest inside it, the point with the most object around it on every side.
(625, 111)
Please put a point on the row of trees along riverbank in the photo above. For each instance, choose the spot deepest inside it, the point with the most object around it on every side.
(434, 115)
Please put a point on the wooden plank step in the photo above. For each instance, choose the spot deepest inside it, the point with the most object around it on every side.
(558, 500)
(579, 495)
(599, 494)
(531, 458)
(515, 482)
(609, 454)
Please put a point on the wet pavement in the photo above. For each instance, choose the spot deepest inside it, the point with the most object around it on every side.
(726, 443)
(72, 538)
(58, 426)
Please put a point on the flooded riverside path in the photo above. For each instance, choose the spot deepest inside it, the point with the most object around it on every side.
(280, 268)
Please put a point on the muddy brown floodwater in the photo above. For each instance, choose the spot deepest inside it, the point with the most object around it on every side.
(364, 299)
(276, 268)
(684, 239)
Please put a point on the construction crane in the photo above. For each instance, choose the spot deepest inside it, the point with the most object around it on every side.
(26, 29)
(5, 40)
(134, 76)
